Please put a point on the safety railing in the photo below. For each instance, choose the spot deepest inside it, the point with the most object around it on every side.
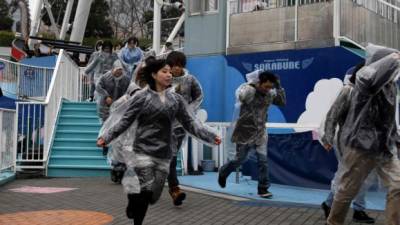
(84, 85)
(226, 150)
(242, 6)
(7, 142)
(368, 21)
(37, 120)
(24, 81)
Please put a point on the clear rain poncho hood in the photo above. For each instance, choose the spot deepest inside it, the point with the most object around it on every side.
(110, 86)
(251, 111)
(370, 124)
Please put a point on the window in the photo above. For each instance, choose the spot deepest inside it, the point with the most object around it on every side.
(203, 6)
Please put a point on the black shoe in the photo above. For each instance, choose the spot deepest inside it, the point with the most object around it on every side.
(362, 217)
(326, 209)
(221, 181)
(264, 193)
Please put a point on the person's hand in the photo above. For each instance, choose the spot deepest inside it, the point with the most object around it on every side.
(109, 101)
(217, 140)
(101, 142)
(327, 147)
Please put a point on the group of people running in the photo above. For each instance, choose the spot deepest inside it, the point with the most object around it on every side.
(148, 107)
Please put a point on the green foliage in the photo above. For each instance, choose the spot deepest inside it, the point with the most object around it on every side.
(97, 25)
(6, 38)
(6, 21)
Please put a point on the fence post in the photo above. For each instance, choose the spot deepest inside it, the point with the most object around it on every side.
(336, 21)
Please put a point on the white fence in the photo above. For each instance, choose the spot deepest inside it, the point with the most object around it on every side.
(242, 6)
(37, 120)
(7, 142)
(84, 85)
(24, 81)
(368, 21)
(226, 150)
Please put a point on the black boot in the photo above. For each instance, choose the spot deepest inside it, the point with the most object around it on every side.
(221, 181)
(362, 217)
(326, 209)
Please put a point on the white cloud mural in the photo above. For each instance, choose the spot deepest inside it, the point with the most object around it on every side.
(319, 101)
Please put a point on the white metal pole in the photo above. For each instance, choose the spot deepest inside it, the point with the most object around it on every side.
(174, 32)
(296, 20)
(336, 21)
(156, 27)
(36, 12)
(67, 15)
(80, 20)
(227, 24)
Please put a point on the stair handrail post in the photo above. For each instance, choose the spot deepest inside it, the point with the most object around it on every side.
(336, 21)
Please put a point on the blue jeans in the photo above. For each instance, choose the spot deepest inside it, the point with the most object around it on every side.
(242, 153)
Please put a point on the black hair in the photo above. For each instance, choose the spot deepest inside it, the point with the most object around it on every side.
(108, 44)
(98, 44)
(176, 58)
(356, 69)
(267, 76)
(134, 39)
(153, 67)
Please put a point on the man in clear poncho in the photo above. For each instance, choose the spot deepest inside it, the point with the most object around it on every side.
(369, 135)
(249, 133)
(153, 111)
(110, 88)
(189, 88)
(336, 117)
(101, 62)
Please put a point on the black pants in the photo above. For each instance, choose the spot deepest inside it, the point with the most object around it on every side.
(137, 206)
(179, 135)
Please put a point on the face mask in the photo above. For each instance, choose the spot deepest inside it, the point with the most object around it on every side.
(106, 54)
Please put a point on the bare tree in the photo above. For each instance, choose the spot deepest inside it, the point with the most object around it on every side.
(127, 17)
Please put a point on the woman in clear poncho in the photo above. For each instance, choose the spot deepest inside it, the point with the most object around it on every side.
(369, 135)
(153, 111)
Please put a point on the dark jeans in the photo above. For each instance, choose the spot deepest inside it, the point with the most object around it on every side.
(242, 152)
(172, 176)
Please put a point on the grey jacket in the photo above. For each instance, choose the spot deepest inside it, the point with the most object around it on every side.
(189, 87)
(155, 118)
(250, 127)
(109, 86)
(336, 116)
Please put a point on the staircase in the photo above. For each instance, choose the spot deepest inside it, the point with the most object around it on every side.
(74, 152)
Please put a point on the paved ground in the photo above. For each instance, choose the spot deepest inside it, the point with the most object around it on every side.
(97, 201)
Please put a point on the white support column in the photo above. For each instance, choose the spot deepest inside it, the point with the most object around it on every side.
(336, 21)
(296, 20)
(174, 32)
(157, 27)
(80, 21)
(53, 26)
(67, 16)
(195, 154)
(35, 22)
